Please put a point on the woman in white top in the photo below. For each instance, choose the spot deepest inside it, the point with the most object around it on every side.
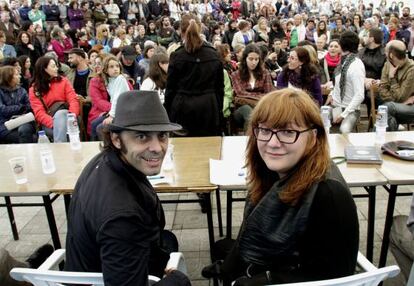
(157, 74)
(243, 36)
(175, 9)
(121, 39)
(322, 29)
(113, 12)
(116, 83)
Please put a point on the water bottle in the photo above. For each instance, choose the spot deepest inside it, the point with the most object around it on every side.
(46, 155)
(381, 124)
(326, 118)
(73, 132)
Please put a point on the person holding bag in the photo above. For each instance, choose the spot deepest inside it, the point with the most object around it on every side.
(14, 103)
(52, 97)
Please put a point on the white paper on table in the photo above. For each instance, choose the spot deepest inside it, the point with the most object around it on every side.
(227, 173)
(156, 180)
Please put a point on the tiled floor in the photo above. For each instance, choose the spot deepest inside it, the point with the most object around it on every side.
(185, 220)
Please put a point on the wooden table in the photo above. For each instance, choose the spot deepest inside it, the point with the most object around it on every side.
(233, 148)
(397, 172)
(68, 165)
(190, 174)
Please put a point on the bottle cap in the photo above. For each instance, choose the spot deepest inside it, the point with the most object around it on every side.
(41, 133)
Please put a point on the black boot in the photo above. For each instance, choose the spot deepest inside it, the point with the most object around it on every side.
(212, 270)
(40, 255)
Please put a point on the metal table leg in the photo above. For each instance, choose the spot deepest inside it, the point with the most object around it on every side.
(371, 222)
(66, 199)
(392, 193)
(220, 220)
(52, 222)
(11, 218)
(207, 200)
(229, 213)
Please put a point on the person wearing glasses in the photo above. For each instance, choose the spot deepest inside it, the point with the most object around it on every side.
(300, 221)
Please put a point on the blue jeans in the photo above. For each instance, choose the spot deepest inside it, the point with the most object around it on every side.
(59, 127)
(96, 127)
(25, 133)
(399, 113)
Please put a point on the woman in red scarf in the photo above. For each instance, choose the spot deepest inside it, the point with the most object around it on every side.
(329, 62)
(393, 28)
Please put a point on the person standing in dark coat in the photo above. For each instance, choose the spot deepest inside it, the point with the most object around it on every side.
(195, 84)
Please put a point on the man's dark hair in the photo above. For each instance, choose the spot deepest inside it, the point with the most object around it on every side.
(397, 52)
(107, 144)
(308, 43)
(349, 42)
(9, 61)
(377, 34)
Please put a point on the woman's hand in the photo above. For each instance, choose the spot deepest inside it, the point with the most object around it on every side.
(338, 120)
(329, 100)
(30, 46)
(108, 120)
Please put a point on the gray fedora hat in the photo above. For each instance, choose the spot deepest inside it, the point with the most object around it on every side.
(140, 110)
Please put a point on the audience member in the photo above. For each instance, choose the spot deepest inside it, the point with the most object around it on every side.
(348, 92)
(396, 88)
(192, 100)
(52, 97)
(14, 102)
(302, 74)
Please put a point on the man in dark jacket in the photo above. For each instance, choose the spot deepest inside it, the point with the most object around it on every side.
(154, 9)
(116, 221)
(130, 66)
(373, 57)
(52, 14)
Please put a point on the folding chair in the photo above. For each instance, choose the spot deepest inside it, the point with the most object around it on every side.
(46, 276)
(371, 277)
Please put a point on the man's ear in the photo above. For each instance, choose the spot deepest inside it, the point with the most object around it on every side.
(116, 140)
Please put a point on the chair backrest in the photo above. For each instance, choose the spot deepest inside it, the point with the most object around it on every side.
(370, 278)
(45, 276)
(58, 278)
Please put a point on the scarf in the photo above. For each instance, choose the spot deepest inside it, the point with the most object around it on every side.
(272, 228)
(346, 61)
(332, 62)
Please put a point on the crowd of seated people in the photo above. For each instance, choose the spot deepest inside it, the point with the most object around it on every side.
(210, 63)
(76, 33)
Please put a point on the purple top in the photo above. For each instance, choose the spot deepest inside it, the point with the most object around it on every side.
(75, 18)
(294, 79)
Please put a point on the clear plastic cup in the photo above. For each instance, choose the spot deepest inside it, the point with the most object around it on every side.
(19, 169)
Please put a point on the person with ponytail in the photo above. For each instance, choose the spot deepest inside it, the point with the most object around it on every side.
(195, 83)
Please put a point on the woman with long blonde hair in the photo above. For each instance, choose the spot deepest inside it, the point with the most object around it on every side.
(300, 221)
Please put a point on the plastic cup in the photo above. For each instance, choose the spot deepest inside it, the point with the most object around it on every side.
(19, 169)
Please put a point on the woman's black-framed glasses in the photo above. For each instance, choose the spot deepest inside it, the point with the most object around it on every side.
(286, 136)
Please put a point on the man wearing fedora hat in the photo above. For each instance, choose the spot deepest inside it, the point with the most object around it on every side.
(116, 221)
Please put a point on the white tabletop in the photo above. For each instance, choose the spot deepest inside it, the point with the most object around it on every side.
(233, 155)
(397, 172)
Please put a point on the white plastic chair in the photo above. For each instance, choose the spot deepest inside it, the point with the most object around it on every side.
(46, 276)
(371, 277)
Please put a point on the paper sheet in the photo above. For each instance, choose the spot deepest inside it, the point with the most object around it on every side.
(227, 173)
